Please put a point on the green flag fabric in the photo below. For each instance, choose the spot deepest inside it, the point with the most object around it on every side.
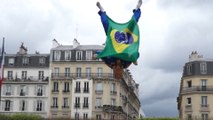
(122, 40)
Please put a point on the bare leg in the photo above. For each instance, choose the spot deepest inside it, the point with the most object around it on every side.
(139, 4)
(100, 7)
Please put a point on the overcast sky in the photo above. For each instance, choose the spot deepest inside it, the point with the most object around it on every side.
(170, 30)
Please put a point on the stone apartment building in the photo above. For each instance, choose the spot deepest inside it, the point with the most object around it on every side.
(25, 86)
(196, 89)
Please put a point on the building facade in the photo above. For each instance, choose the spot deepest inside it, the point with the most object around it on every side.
(25, 87)
(196, 91)
(82, 87)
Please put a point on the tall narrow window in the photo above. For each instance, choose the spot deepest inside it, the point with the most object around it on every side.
(42, 60)
(11, 61)
(25, 61)
(39, 90)
(113, 88)
(39, 105)
(67, 55)
(85, 116)
(55, 102)
(205, 116)
(55, 87)
(203, 68)
(98, 102)
(98, 117)
(41, 75)
(100, 71)
(8, 90)
(78, 72)
(67, 72)
(78, 87)
(7, 105)
(85, 104)
(88, 55)
(10, 75)
(23, 90)
(56, 72)
(86, 87)
(204, 101)
(189, 102)
(78, 55)
(65, 104)
(203, 84)
(66, 87)
(113, 101)
(57, 55)
(24, 75)
(88, 72)
(77, 102)
(189, 83)
(189, 69)
(99, 88)
(23, 105)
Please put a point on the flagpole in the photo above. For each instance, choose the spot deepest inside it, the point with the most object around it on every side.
(2, 69)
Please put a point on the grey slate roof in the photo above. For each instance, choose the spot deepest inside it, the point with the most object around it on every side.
(80, 47)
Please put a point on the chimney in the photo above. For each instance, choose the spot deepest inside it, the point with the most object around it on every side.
(195, 57)
(55, 43)
(22, 49)
(75, 43)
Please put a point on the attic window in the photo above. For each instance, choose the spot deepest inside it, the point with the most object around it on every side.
(203, 68)
(11, 61)
(25, 60)
(42, 60)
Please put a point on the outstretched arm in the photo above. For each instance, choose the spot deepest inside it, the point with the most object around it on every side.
(139, 4)
(100, 7)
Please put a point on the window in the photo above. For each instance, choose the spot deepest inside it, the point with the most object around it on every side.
(78, 72)
(38, 105)
(189, 83)
(85, 116)
(25, 61)
(39, 90)
(41, 75)
(204, 116)
(113, 101)
(67, 72)
(88, 72)
(203, 84)
(55, 102)
(42, 60)
(99, 88)
(65, 104)
(23, 105)
(204, 102)
(57, 55)
(98, 117)
(76, 116)
(98, 102)
(7, 90)
(85, 104)
(67, 55)
(88, 55)
(78, 87)
(189, 69)
(113, 87)
(11, 61)
(66, 87)
(189, 101)
(77, 102)
(10, 75)
(203, 68)
(100, 71)
(24, 75)
(78, 55)
(23, 90)
(55, 87)
(56, 72)
(7, 105)
(86, 87)
(189, 117)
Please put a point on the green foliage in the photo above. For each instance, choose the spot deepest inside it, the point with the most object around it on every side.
(20, 117)
(162, 118)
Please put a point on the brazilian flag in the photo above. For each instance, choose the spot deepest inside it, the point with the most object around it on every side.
(122, 40)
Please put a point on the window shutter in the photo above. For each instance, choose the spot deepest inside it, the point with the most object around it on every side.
(35, 90)
(43, 105)
(27, 90)
(2, 105)
(44, 90)
(34, 105)
(26, 105)
(4, 90)
(12, 90)
(18, 90)
(20, 105)
(11, 105)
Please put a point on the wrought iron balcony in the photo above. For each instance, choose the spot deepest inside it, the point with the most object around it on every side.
(99, 91)
(204, 108)
(26, 79)
(77, 105)
(108, 108)
(81, 75)
(85, 105)
(197, 89)
(113, 92)
(188, 108)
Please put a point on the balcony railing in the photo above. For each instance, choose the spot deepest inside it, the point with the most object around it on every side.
(188, 108)
(26, 79)
(81, 75)
(99, 91)
(204, 108)
(77, 105)
(197, 89)
(85, 105)
(113, 92)
(114, 108)
(65, 107)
